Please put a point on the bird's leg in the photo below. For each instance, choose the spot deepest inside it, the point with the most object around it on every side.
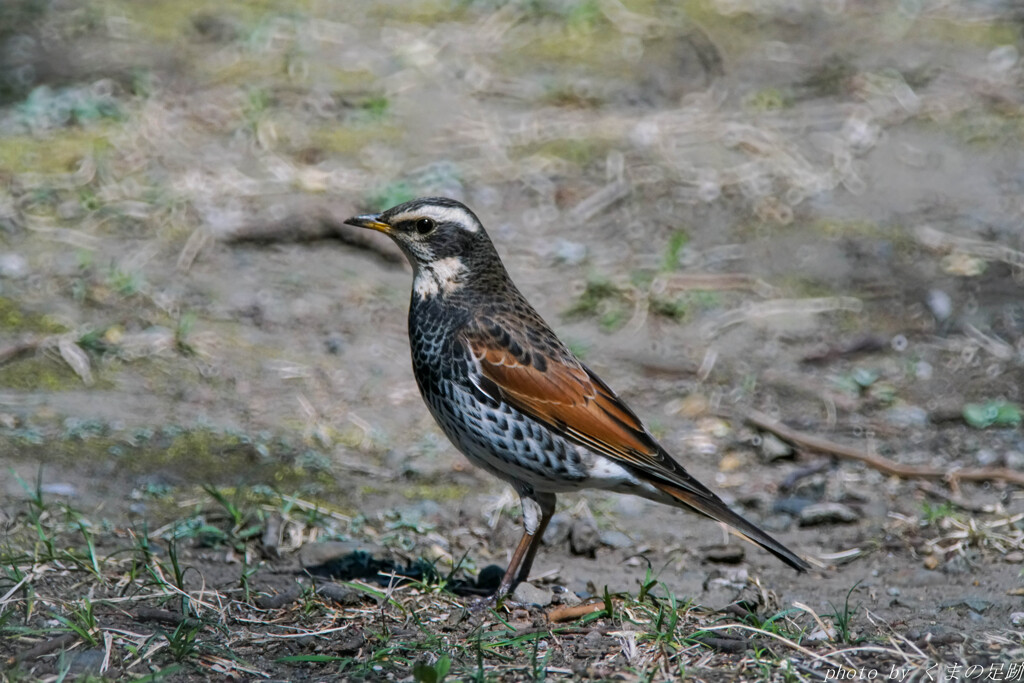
(512, 573)
(531, 552)
(537, 511)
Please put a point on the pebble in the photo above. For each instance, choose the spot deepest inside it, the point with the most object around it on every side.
(828, 513)
(60, 489)
(631, 506)
(570, 253)
(727, 554)
(792, 505)
(528, 594)
(923, 370)
(988, 458)
(86, 662)
(278, 600)
(558, 529)
(615, 539)
(939, 304)
(1014, 460)
(731, 462)
(564, 596)
(773, 448)
(13, 266)
(341, 595)
(334, 343)
(1015, 557)
(584, 538)
(1017, 618)
(971, 602)
(906, 416)
(931, 562)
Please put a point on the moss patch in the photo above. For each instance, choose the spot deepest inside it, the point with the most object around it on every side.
(348, 140)
(54, 153)
(39, 374)
(14, 319)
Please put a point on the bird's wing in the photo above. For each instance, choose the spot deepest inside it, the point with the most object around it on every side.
(546, 382)
(553, 387)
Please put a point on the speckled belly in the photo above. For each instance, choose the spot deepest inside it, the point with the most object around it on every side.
(506, 443)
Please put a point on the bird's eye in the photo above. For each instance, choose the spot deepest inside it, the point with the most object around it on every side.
(424, 226)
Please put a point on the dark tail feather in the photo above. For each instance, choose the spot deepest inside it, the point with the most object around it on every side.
(713, 507)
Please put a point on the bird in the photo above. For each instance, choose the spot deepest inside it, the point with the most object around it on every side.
(512, 397)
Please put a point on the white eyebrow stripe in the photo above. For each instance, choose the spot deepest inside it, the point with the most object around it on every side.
(441, 214)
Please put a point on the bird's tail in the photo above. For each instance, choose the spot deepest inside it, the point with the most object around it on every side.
(712, 506)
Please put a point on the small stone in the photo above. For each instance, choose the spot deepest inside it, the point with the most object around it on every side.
(341, 595)
(631, 506)
(715, 427)
(931, 562)
(57, 488)
(13, 266)
(893, 591)
(334, 343)
(558, 529)
(773, 448)
(1015, 557)
(86, 662)
(792, 505)
(731, 462)
(570, 253)
(1017, 618)
(971, 602)
(615, 539)
(584, 538)
(988, 458)
(272, 535)
(278, 600)
(1014, 460)
(923, 370)
(528, 594)
(726, 554)
(905, 416)
(694, 405)
(828, 513)
(939, 304)
(566, 597)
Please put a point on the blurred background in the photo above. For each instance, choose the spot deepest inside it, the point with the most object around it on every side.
(809, 208)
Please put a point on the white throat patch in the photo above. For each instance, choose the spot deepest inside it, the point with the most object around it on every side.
(443, 275)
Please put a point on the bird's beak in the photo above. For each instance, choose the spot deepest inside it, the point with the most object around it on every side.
(371, 221)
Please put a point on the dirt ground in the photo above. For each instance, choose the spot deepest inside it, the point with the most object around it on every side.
(804, 212)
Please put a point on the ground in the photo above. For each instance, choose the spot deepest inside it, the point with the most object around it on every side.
(787, 233)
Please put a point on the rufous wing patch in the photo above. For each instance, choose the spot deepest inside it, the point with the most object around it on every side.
(570, 399)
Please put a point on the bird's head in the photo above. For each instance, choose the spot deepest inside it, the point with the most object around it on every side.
(443, 240)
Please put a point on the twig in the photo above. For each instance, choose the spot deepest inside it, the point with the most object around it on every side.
(16, 351)
(956, 500)
(567, 613)
(163, 616)
(868, 343)
(42, 648)
(817, 443)
(313, 224)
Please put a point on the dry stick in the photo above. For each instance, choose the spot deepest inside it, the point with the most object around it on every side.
(12, 353)
(560, 614)
(42, 648)
(817, 443)
(313, 225)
